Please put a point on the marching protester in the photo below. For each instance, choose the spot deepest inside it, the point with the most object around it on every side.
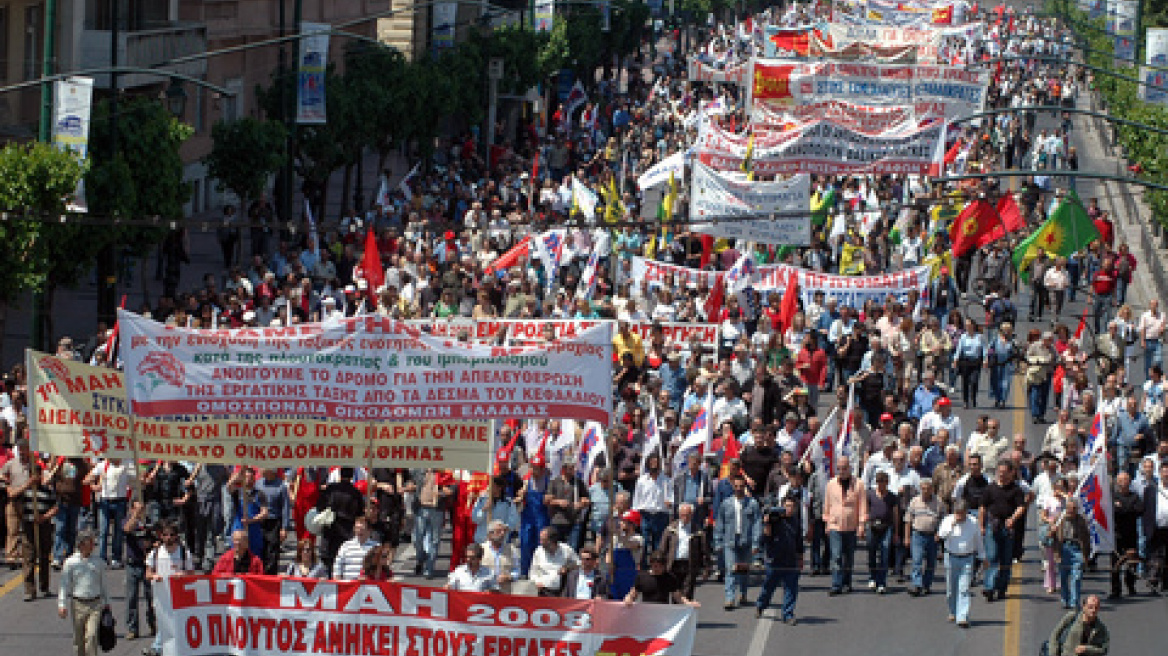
(962, 538)
(82, 593)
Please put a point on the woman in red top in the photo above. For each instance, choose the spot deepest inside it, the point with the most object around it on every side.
(811, 363)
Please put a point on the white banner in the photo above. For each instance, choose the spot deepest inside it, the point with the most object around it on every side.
(853, 291)
(946, 91)
(872, 119)
(1155, 85)
(714, 195)
(700, 71)
(927, 40)
(72, 106)
(285, 616)
(824, 147)
(531, 331)
(366, 368)
(659, 173)
(310, 77)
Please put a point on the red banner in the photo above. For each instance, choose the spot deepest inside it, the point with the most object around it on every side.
(270, 616)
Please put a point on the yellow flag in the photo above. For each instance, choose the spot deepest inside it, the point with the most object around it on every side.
(851, 260)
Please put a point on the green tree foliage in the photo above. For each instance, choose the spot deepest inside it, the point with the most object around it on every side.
(36, 178)
(245, 154)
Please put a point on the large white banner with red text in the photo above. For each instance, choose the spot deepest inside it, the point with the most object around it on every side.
(873, 119)
(946, 91)
(283, 616)
(80, 410)
(366, 368)
(827, 148)
(847, 290)
(531, 331)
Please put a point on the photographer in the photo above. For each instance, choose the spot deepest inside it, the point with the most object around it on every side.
(782, 547)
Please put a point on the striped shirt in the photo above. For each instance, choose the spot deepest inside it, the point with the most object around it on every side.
(350, 557)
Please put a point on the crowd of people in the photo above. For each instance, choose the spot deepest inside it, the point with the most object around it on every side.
(647, 522)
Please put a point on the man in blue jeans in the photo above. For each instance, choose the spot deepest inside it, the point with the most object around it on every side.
(921, 519)
(1002, 505)
(782, 547)
(736, 527)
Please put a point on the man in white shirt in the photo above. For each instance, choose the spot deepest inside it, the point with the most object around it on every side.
(990, 445)
(473, 576)
(551, 562)
(653, 498)
(351, 555)
(941, 416)
(171, 558)
(83, 591)
(963, 547)
(1151, 330)
(111, 483)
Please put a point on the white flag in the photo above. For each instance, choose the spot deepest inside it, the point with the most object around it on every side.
(652, 437)
(700, 434)
(591, 271)
(404, 185)
(1094, 496)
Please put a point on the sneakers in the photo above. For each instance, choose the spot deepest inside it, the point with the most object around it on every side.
(729, 606)
(952, 618)
(963, 624)
(871, 585)
(790, 621)
(881, 590)
(131, 635)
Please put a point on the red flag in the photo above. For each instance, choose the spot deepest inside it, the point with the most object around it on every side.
(1082, 322)
(112, 342)
(790, 303)
(973, 228)
(707, 249)
(953, 152)
(371, 265)
(1010, 214)
(713, 305)
(504, 261)
(730, 451)
(797, 41)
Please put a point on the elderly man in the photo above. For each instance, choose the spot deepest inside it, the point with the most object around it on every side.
(684, 546)
(921, 520)
(500, 555)
(1080, 632)
(845, 512)
(963, 546)
(83, 592)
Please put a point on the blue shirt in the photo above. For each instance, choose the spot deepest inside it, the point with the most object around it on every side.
(933, 456)
(969, 346)
(1129, 426)
(922, 401)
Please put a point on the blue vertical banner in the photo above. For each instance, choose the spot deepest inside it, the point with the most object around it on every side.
(1125, 31)
(72, 105)
(442, 30)
(310, 71)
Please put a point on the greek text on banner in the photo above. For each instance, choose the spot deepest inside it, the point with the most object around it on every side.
(80, 410)
(269, 616)
(366, 368)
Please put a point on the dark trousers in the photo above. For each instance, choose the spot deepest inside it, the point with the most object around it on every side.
(1123, 567)
(1157, 545)
(272, 545)
(820, 547)
(136, 582)
(686, 573)
(37, 552)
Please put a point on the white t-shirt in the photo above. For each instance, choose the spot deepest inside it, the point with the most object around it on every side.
(166, 563)
(114, 481)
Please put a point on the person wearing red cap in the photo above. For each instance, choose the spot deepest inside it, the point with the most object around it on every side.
(533, 513)
(941, 416)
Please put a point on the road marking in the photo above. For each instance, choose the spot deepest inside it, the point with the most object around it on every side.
(11, 585)
(762, 632)
(1012, 633)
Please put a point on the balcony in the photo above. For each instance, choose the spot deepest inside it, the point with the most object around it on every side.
(145, 49)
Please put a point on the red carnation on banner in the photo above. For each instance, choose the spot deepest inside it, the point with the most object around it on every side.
(628, 646)
(160, 367)
(55, 367)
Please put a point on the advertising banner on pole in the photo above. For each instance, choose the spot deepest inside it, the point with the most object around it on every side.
(80, 410)
(1125, 31)
(366, 368)
(72, 106)
(442, 29)
(714, 195)
(545, 15)
(1155, 85)
(312, 61)
(285, 616)
(946, 91)
(1156, 47)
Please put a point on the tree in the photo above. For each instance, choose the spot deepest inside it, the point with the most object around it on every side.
(245, 154)
(35, 178)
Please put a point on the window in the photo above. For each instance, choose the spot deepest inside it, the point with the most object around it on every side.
(4, 44)
(233, 102)
(33, 33)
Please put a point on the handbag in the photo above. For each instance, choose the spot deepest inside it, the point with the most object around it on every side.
(107, 636)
